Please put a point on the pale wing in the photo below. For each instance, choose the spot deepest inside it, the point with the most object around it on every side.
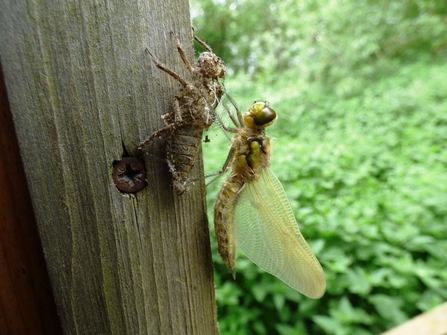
(267, 232)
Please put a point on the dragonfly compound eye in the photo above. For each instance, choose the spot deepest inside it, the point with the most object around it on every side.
(265, 117)
(259, 115)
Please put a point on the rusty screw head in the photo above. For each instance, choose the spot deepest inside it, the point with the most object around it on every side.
(129, 174)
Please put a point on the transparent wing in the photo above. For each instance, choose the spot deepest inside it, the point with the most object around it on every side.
(267, 232)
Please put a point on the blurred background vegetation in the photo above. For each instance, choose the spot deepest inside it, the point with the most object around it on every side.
(361, 92)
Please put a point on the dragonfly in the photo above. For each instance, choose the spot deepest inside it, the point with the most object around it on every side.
(252, 211)
(193, 112)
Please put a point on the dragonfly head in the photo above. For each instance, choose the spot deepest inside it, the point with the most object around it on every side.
(210, 66)
(259, 115)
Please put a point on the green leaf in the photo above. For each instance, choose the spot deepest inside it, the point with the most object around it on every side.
(328, 324)
(389, 308)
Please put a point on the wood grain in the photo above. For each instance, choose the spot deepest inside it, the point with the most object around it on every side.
(83, 95)
(26, 300)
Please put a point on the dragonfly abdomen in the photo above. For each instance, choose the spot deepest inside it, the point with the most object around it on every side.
(252, 153)
(182, 148)
(224, 220)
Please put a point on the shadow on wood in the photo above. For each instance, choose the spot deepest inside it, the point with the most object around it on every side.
(26, 301)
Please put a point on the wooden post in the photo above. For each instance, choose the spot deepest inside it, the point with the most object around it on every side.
(83, 94)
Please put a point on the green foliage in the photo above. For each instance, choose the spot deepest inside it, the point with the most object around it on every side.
(325, 41)
(360, 151)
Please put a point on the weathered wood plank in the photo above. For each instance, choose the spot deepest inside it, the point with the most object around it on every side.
(26, 301)
(83, 94)
(433, 322)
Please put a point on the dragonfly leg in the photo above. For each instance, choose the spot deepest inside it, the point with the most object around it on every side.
(202, 43)
(233, 119)
(224, 167)
(177, 111)
(238, 112)
(162, 67)
(182, 53)
(159, 132)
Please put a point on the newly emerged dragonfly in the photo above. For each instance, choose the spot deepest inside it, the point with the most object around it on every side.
(193, 111)
(252, 210)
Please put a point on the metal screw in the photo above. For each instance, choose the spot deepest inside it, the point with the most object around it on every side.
(129, 174)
